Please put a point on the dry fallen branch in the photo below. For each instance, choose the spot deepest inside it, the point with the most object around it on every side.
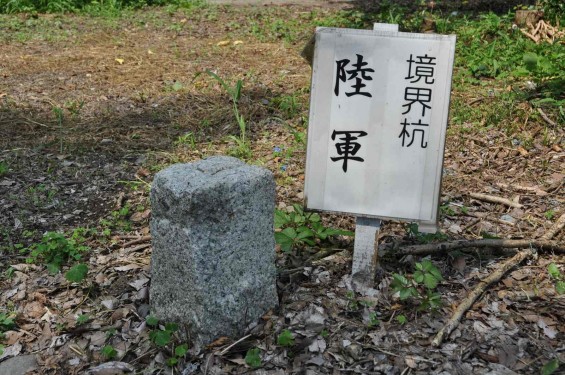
(493, 199)
(435, 248)
(494, 277)
(136, 241)
(555, 228)
(477, 292)
(529, 189)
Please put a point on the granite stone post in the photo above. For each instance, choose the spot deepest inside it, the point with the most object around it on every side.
(213, 261)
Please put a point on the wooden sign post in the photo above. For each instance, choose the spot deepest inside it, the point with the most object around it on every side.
(378, 116)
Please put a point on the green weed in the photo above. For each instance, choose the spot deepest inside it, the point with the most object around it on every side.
(558, 278)
(299, 228)
(253, 358)
(242, 149)
(163, 336)
(420, 286)
(109, 352)
(55, 250)
(285, 338)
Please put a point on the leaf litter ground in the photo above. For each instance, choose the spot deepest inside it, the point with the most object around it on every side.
(93, 107)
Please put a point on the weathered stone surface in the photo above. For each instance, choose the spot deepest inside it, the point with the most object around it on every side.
(18, 365)
(213, 261)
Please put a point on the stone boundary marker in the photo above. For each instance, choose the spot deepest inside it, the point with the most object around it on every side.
(213, 261)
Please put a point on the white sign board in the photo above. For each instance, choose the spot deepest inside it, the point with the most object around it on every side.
(378, 116)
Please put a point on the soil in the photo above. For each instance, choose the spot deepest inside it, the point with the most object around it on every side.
(93, 107)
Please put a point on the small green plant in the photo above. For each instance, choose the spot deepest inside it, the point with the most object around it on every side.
(299, 228)
(243, 149)
(420, 286)
(187, 139)
(325, 333)
(253, 358)
(285, 338)
(77, 273)
(109, 352)
(3, 169)
(82, 319)
(401, 319)
(550, 367)
(55, 250)
(373, 320)
(558, 278)
(59, 116)
(163, 335)
(179, 352)
(6, 322)
(549, 214)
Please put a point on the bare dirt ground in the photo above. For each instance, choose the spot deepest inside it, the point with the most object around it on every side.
(93, 107)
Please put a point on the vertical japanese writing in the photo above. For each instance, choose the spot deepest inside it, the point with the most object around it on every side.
(345, 144)
(417, 98)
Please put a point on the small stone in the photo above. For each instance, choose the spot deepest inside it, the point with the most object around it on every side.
(213, 259)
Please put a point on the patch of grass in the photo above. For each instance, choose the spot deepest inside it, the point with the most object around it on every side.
(55, 250)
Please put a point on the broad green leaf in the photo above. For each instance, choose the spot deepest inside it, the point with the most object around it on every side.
(181, 350)
(172, 361)
(177, 86)
(406, 293)
(304, 232)
(285, 338)
(553, 270)
(290, 232)
(151, 321)
(436, 273)
(160, 338)
(284, 241)
(171, 327)
(253, 358)
(109, 352)
(430, 281)
(419, 276)
(550, 367)
(315, 218)
(281, 219)
(77, 273)
(53, 268)
(560, 287)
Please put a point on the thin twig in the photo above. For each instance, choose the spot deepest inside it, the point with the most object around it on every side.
(223, 352)
(493, 199)
(136, 241)
(546, 118)
(474, 295)
(555, 228)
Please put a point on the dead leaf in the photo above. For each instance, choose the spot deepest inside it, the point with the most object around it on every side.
(219, 342)
(223, 43)
(128, 267)
(120, 61)
(237, 42)
(111, 368)
(140, 283)
(34, 309)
